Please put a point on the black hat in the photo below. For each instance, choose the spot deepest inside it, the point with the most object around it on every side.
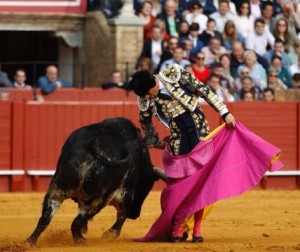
(142, 82)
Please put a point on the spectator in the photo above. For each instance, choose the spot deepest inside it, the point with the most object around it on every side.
(213, 51)
(259, 39)
(281, 31)
(20, 78)
(189, 69)
(296, 81)
(176, 59)
(292, 18)
(255, 8)
(244, 19)
(145, 63)
(283, 73)
(222, 15)
(196, 16)
(210, 32)
(153, 48)
(162, 25)
(200, 70)
(116, 81)
(244, 71)
(230, 35)
(268, 95)
(294, 69)
(168, 51)
(171, 17)
(277, 7)
(278, 49)
(4, 81)
(187, 49)
(51, 81)
(156, 7)
(193, 36)
(208, 7)
(225, 60)
(248, 96)
(183, 32)
(237, 58)
(145, 14)
(257, 72)
(248, 86)
(267, 15)
(217, 68)
(294, 55)
(221, 92)
(274, 82)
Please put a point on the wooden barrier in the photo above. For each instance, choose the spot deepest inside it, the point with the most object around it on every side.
(32, 133)
(5, 145)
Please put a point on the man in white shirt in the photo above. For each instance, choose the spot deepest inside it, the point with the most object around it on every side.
(259, 39)
(177, 59)
(222, 15)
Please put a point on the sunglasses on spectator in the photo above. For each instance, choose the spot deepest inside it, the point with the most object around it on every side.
(200, 58)
(273, 75)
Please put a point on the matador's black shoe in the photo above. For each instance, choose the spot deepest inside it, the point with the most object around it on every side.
(175, 239)
(197, 239)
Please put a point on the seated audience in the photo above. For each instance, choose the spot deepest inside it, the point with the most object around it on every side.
(210, 32)
(231, 35)
(200, 70)
(278, 49)
(145, 14)
(248, 86)
(225, 60)
(183, 32)
(193, 36)
(244, 20)
(213, 51)
(268, 95)
(51, 81)
(294, 55)
(295, 68)
(283, 73)
(274, 82)
(116, 81)
(176, 59)
(257, 72)
(223, 93)
(248, 96)
(20, 78)
(196, 16)
(296, 81)
(281, 31)
(4, 81)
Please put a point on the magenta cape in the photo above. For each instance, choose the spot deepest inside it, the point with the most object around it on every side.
(238, 161)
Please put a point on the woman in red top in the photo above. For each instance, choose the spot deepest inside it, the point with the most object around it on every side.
(200, 70)
(145, 15)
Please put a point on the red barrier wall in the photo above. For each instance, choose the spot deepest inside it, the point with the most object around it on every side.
(5, 143)
(37, 131)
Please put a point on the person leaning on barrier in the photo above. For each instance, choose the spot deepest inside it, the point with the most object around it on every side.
(50, 82)
(20, 78)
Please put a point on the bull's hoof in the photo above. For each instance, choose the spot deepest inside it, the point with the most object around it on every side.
(110, 235)
(79, 240)
(31, 242)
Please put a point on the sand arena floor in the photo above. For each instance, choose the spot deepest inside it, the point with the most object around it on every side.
(255, 221)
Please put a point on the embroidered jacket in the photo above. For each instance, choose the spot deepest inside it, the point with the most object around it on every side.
(185, 90)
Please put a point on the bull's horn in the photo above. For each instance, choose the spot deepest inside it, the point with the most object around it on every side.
(160, 173)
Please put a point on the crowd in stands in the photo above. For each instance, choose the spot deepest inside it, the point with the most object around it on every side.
(48, 83)
(244, 50)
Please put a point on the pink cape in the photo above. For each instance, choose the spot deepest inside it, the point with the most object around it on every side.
(238, 161)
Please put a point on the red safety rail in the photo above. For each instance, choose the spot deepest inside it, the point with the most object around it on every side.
(5, 143)
(63, 94)
(39, 130)
(98, 94)
(20, 94)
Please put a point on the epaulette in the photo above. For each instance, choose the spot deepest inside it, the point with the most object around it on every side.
(171, 74)
(143, 103)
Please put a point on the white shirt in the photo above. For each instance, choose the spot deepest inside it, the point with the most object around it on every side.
(200, 18)
(294, 69)
(221, 20)
(258, 43)
(156, 47)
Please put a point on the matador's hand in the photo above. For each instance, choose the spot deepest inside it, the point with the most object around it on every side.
(230, 121)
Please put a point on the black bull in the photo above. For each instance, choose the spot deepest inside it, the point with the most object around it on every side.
(100, 164)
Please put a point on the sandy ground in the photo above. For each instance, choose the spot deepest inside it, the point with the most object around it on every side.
(255, 221)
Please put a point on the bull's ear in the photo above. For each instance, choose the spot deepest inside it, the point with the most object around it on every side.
(159, 174)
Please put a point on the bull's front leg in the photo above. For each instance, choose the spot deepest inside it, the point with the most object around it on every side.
(115, 230)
